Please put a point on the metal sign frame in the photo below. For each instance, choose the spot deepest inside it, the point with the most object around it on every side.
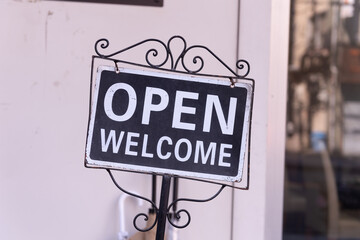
(174, 64)
(170, 79)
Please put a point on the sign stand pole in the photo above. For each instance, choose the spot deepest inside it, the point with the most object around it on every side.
(171, 63)
(164, 200)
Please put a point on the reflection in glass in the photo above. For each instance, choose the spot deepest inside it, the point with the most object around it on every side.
(322, 175)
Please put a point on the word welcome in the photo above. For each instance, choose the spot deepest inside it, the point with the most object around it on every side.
(131, 148)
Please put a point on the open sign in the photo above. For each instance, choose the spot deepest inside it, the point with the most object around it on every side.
(168, 124)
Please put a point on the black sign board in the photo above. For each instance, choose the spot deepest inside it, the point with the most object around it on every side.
(165, 123)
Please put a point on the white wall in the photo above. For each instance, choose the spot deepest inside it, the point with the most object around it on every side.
(46, 48)
(264, 42)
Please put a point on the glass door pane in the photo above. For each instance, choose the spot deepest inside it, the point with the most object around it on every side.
(322, 172)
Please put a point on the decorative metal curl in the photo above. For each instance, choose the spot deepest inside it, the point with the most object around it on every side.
(198, 61)
(146, 217)
(177, 217)
(175, 64)
(104, 43)
(241, 64)
(177, 213)
(194, 61)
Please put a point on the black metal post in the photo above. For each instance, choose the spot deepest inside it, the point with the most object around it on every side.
(175, 193)
(164, 200)
(153, 192)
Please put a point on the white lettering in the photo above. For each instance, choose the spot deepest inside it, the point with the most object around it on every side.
(159, 145)
(111, 138)
(143, 152)
(179, 109)
(199, 149)
(177, 149)
(149, 106)
(108, 102)
(182, 149)
(223, 154)
(226, 127)
(130, 143)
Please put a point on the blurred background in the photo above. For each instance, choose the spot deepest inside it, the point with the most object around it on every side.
(322, 160)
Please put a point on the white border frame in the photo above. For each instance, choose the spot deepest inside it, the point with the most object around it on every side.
(93, 163)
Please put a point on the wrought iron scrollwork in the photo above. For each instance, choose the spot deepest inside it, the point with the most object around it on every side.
(146, 216)
(164, 56)
(168, 59)
(242, 66)
(171, 217)
(177, 214)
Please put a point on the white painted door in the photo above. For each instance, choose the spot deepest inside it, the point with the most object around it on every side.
(46, 48)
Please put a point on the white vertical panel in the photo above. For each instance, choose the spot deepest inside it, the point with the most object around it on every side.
(264, 42)
(46, 193)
